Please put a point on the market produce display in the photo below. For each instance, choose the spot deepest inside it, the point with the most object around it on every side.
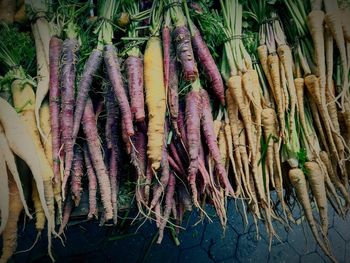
(177, 103)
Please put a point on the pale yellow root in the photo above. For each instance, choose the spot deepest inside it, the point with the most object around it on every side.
(9, 235)
(273, 64)
(334, 178)
(39, 212)
(232, 111)
(22, 145)
(24, 99)
(10, 161)
(317, 184)
(285, 54)
(4, 193)
(262, 53)
(47, 143)
(332, 110)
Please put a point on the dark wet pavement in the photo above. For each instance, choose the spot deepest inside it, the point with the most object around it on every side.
(201, 242)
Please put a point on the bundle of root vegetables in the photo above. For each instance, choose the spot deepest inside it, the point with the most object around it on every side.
(189, 103)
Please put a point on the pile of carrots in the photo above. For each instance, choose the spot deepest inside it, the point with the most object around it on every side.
(204, 101)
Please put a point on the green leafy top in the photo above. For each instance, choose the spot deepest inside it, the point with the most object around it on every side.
(210, 24)
(17, 49)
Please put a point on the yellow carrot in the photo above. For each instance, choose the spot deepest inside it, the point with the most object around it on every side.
(47, 143)
(155, 99)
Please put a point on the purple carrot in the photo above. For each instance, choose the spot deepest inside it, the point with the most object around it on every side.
(114, 74)
(113, 176)
(193, 113)
(69, 48)
(173, 95)
(55, 48)
(92, 139)
(184, 52)
(174, 153)
(211, 71)
(169, 201)
(134, 68)
(90, 69)
(174, 166)
(112, 112)
(149, 177)
(93, 211)
(139, 156)
(112, 117)
(181, 123)
(77, 174)
(166, 41)
(68, 208)
(209, 134)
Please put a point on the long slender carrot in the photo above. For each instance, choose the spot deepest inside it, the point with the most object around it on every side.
(329, 57)
(313, 87)
(333, 20)
(10, 162)
(251, 85)
(334, 178)
(68, 208)
(113, 173)
(114, 74)
(69, 49)
(299, 86)
(91, 66)
(235, 86)
(77, 174)
(332, 111)
(315, 21)
(93, 211)
(230, 145)
(23, 146)
(9, 235)
(193, 113)
(90, 130)
(262, 54)
(54, 98)
(166, 41)
(285, 55)
(240, 161)
(22, 93)
(208, 131)
(205, 58)
(164, 179)
(345, 16)
(169, 201)
(173, 95)
(4, 192)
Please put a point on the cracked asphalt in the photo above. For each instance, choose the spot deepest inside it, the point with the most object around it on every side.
(201, 242)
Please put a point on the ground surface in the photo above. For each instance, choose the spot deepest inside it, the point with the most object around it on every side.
(205, 242)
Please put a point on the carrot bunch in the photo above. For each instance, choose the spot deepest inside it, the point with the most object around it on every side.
(178, 104)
